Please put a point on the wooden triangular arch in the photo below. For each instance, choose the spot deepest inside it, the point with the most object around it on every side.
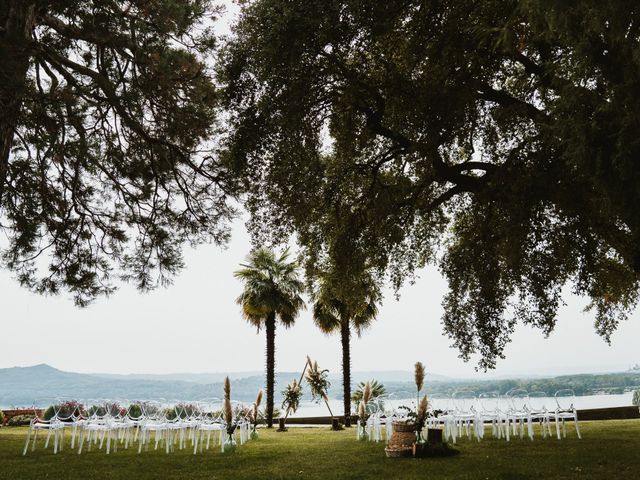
(307, 364)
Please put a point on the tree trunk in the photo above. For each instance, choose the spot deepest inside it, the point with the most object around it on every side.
(345, 333)
(17, 19)
(271, 365)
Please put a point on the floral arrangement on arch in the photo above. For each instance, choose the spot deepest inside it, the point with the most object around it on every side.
(292, 395)
(318, 382)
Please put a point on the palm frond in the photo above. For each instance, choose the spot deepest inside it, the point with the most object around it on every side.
(377, 390)
(271, 285)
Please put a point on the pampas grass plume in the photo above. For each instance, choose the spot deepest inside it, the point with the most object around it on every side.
(419, 375)
(366, 393)
(422, 408)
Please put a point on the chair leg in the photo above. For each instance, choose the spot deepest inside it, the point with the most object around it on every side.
(26, 445)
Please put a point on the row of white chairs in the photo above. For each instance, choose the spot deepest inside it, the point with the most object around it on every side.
(465, 414)
(109, 424)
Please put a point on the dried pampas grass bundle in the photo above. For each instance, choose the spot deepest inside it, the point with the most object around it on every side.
(228, 411)
(419, 376)
(422, 408)
(362, 411)
(421, 413)
(366, 393)
(227, 388)
(256, 406)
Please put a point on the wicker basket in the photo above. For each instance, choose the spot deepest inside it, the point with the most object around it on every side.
(404, 427)
(399, 452)
(402, 440)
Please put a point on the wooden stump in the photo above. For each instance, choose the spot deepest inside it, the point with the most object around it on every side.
(335, 424)
(434, 446)
(434, 435)
(281, 425)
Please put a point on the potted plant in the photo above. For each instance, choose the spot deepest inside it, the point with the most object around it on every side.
(421, 418)
(255, 415)
(363, 414)
(229, 444)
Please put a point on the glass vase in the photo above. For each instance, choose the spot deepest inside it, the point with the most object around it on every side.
(362, 431)
(229, 445)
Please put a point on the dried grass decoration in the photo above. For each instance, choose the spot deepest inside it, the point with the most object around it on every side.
(292, 395)
(421, 418)
(363, 414)
(255, 416)
(318, 382)
(419, 376)
(230, 422)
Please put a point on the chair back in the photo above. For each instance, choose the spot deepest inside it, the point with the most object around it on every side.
(565, 399)
(489, 402)
(538, 401)
(518, 400)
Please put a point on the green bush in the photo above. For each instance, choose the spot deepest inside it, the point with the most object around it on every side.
(65, 409)
(1, 418)
(135, 410)
(20, 420)
(48, 413)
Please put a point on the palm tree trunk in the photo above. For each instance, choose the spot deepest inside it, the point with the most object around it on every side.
(271, 365)
(17, 18)
(345, 333)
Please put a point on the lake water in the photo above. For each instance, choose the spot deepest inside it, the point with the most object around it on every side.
(311, 409)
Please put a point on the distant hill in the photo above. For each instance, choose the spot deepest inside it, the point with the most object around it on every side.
(21, 386)
(203, 378)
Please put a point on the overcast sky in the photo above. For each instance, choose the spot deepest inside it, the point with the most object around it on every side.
(195, 326)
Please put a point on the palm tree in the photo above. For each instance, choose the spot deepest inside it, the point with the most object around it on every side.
(332, 314)
(271, 292)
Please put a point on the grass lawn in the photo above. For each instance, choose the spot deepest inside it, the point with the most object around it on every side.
(608, 449)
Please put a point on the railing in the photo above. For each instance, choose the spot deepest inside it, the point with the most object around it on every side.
(8, 414)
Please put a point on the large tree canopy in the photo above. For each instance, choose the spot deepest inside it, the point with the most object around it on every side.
(107, 117)
(497, 138)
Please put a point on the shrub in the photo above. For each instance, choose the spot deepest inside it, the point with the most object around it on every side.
(65, 409)
(48, 413)
(135, 410)
(20, 420)
(1, 418)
